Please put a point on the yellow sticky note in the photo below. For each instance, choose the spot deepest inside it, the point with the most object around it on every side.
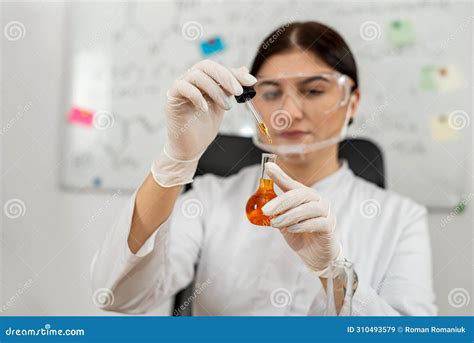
(441, 130)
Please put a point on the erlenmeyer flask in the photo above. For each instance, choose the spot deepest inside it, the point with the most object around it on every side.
(264, 194)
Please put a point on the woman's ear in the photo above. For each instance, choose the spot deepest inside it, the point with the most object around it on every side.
(354, 103)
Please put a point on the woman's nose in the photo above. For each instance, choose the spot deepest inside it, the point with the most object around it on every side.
(292, 106)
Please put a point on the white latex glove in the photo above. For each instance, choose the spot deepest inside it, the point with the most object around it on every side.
(305, 220)
(194, 111)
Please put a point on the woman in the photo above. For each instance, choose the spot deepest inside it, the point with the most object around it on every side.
(308, 77)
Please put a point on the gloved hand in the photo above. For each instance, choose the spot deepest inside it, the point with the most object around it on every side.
(194, 111)
(305, 220)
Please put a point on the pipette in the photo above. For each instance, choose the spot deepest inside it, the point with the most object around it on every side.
(245, 97)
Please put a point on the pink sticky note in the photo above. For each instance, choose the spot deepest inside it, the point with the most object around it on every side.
(81, 116)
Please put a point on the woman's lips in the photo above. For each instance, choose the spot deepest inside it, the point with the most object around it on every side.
(294, 134)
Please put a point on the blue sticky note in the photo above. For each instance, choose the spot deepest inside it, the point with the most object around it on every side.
(212, 46)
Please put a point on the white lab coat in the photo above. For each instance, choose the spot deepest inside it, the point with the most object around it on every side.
(244, 269)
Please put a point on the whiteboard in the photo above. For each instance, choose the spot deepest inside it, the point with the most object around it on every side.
(414, 62)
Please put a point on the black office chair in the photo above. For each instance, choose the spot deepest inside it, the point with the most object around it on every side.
(228, 154)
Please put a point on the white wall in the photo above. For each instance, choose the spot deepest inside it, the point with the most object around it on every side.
(54, 241)
(47, 243)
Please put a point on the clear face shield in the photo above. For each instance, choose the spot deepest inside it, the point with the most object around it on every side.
(323, 100)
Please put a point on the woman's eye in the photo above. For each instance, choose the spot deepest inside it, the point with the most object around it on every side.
(271, 95)
(313, 92)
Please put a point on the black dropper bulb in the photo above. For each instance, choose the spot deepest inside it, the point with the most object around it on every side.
(247, 94)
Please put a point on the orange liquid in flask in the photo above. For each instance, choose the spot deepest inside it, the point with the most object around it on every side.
(264, 194)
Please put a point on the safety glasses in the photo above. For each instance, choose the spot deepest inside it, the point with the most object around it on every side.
(321, 93)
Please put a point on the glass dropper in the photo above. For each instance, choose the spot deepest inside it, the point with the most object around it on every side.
(246, 97)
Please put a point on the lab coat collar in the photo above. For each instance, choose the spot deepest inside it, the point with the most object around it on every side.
(335, 179)
(330, 182)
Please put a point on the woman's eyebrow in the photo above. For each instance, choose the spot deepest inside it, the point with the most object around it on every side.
(313, 78)
(303, 82)
(268, 82)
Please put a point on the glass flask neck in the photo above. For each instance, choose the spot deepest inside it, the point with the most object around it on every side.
(266, 158)
(266, 185)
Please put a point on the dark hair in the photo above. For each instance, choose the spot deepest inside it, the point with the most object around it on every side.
(311, 36)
